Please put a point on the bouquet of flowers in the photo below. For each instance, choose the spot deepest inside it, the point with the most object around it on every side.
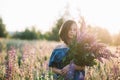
(85, 50)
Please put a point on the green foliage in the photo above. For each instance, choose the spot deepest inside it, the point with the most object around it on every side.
(14, 43)
(3, 32)
(54, 34)
(28, 34)
(1, 47)
(33, 34)
(47, 35)
(55, 30)
(17, 35)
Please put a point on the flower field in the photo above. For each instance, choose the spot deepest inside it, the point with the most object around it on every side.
(28, 60)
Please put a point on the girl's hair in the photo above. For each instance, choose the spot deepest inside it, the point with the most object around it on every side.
(63, 32)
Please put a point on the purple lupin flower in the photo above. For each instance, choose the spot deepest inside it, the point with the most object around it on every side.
(115, 70)
(10, 61)
(81, 77)
(70, 73)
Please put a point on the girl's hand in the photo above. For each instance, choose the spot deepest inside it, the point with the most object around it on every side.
(65, 70)
(56, 70)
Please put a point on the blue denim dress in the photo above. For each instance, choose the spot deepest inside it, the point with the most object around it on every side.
(56, 61)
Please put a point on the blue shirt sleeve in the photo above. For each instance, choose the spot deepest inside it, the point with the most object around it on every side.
(57, 56)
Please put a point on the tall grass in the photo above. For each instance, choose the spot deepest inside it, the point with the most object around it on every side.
(28, 60)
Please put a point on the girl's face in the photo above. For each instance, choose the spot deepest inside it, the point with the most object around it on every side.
(73, 31)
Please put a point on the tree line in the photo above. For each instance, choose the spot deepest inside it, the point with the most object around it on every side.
(32, 34)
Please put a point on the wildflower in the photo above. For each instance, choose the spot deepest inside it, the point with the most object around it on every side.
(85, 49)
(70, 73)
(10, 62)
(81, 77)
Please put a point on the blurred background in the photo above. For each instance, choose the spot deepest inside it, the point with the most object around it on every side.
(41, 19)
(29, 33)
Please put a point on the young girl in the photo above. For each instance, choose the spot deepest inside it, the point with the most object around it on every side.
(67, 32)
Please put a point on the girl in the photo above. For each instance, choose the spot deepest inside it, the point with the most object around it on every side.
(67, 32)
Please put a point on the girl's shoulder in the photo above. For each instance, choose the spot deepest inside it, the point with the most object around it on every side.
(61, 46)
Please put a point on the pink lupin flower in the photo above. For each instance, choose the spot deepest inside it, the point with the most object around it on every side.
(81, 77)
(115, 69)
(100, 59)
(10, 62)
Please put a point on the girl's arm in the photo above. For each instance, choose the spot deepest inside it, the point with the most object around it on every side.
(79, 67)
(56, 70)
(66, 68)
(60, 71)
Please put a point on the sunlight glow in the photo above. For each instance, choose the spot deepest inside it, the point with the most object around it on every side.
(19, 14)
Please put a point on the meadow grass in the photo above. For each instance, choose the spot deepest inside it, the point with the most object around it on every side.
(28, 60)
